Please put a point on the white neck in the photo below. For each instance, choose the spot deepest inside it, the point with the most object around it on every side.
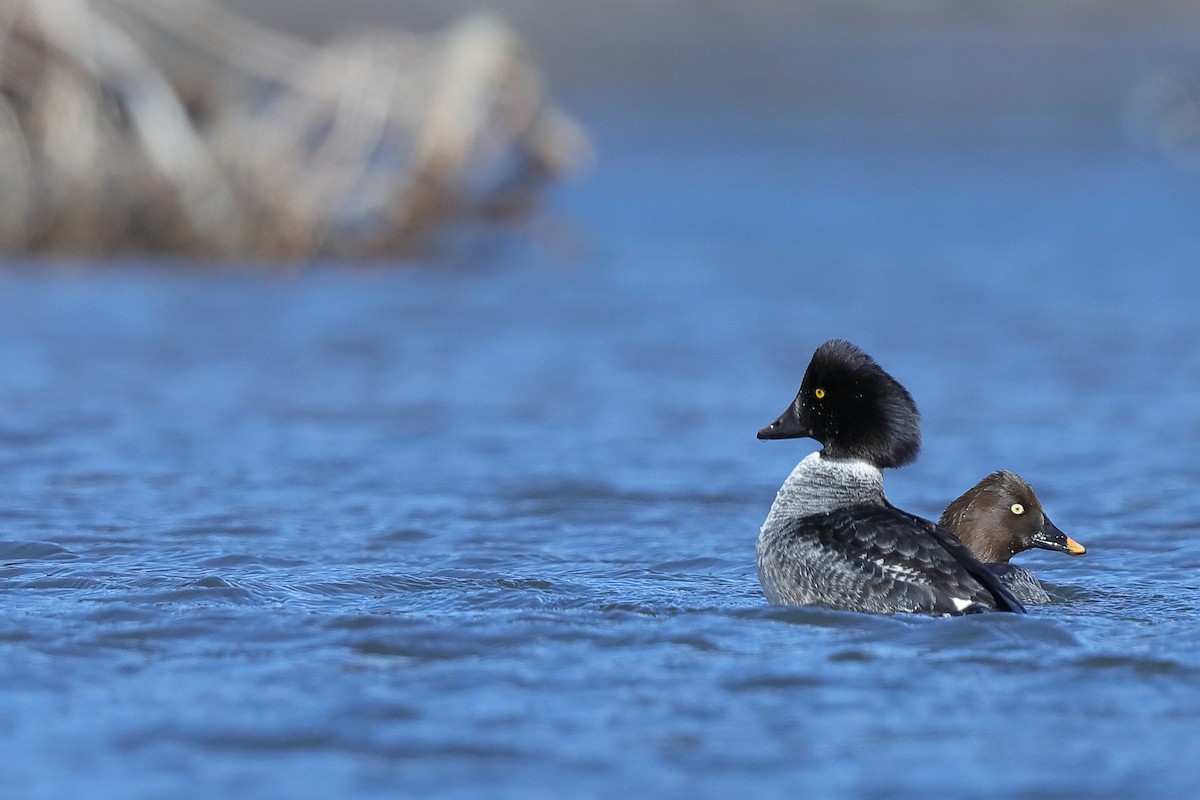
(819, 484)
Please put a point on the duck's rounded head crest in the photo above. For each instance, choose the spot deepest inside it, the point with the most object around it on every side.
(849, 404)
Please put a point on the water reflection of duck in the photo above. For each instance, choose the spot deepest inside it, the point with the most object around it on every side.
(831, 538)
(999, 517)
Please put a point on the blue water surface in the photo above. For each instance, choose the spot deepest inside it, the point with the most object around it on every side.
(488, 531)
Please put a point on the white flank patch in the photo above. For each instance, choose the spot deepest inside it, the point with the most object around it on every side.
(960, 604)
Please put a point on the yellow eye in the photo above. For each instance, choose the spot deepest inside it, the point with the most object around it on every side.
(1017, 508)
(819, 393)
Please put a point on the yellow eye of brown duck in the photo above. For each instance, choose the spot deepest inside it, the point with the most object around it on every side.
(819, 393)
(1017, 508)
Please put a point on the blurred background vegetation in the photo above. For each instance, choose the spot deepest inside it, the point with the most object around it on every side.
(276, 130)
(942, 71)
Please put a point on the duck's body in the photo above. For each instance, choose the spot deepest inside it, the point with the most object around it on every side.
(831, 538)
(999, 517)
(874, 558)
(1023, 584)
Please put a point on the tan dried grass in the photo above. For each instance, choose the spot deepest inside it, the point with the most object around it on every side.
(278, 149)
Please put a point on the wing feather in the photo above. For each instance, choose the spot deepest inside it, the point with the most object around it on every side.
(876, 558)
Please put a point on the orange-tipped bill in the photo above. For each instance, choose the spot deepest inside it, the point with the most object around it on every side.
(1051, 538)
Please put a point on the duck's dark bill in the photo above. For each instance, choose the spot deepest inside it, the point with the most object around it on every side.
(1051, 538)
(788, 426)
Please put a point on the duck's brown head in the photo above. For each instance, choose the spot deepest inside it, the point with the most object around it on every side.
(1001, 516)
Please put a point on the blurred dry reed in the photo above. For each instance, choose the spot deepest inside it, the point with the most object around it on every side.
(1163, 112)
(275, 149)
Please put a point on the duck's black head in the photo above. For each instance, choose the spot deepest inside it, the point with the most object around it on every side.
(852, 407)
(1001, 516)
